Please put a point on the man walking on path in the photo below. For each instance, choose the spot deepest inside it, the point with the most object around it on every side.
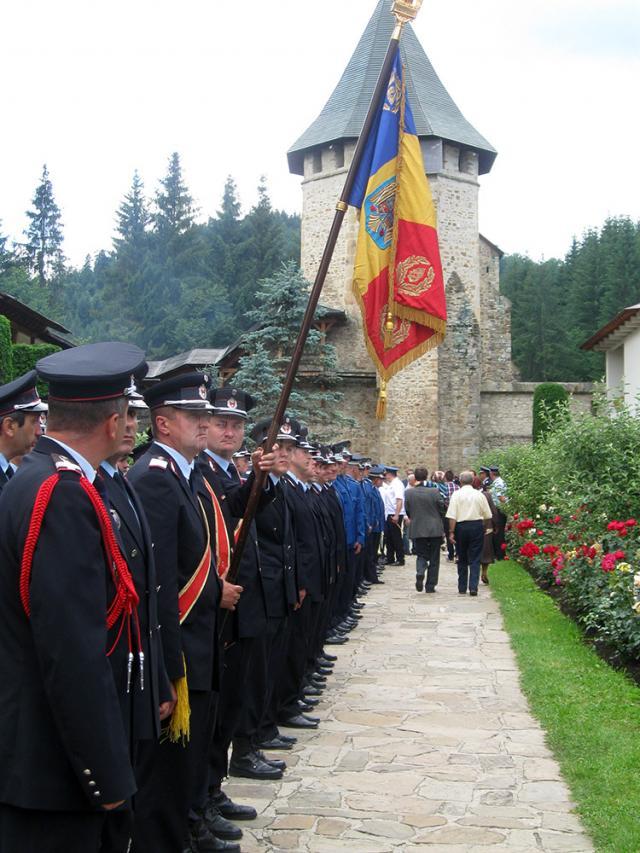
(467, 511)
(425, 508)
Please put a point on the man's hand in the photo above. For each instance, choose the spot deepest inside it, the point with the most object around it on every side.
(109, 807)
(452, 538)
(301, 597)
(230, 594)
(264, 461)
(357, 548)
(166, 708)
(395, 518)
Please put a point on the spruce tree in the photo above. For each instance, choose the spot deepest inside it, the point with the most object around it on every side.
(280, 303)
(175, 211)
(44, 235)
(132, 220)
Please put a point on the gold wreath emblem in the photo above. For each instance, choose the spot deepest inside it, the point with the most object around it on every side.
(400, 331)
(394, 93)
(414, 275)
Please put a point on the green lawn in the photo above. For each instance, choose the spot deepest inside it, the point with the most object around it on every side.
(591, 713)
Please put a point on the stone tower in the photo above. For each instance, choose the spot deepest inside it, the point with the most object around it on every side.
(435, 410)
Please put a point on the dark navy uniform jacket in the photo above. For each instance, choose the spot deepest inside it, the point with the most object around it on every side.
(140, 706)
(179, 537)
(249, 619)
(309, 541)
(277, 543)
(63, 743)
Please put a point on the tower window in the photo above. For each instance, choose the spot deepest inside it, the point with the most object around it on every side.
(317, 161)
(338, 154)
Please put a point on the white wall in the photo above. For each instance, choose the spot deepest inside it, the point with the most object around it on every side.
(615, 372)
(632, 368)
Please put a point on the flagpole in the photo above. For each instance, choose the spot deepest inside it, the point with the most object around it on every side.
(404, 11)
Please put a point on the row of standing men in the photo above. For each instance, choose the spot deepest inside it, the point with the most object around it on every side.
(136, 675)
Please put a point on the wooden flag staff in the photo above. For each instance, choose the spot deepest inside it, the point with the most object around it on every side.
(404, 11)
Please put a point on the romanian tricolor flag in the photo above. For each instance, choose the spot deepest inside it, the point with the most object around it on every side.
(398, 275)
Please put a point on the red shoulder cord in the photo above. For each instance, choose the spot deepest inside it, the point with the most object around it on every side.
(125, 601)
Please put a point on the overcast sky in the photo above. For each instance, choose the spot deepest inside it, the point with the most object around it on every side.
(97, 90)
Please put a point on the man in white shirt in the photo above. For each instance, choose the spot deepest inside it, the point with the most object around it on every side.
(393, 496)
(468, 510)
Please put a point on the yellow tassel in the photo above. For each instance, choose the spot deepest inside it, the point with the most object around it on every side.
(388, 331)
(179, 727)
(381, 408)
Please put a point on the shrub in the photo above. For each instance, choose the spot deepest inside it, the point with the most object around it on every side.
(25, 357)
(6, 360)
(550, 402)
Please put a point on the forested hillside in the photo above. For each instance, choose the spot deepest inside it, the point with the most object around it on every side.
(170, 282)
(558, 304)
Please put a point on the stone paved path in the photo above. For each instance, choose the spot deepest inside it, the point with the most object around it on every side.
(426, 741)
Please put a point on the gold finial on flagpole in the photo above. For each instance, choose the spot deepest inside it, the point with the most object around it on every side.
(406, 10)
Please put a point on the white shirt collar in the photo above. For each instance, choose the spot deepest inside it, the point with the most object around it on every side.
(181, 461)
(108, 467)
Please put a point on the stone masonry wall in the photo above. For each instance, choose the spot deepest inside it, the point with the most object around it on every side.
(495, 319)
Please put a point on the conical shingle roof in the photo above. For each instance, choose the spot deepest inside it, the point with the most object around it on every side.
(435, 113)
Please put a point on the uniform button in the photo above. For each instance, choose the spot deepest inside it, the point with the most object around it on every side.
(96, 793)
(159, 587)
(92, 784)
(134, 552)
(87, 772)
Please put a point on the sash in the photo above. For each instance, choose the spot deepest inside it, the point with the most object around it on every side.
(223, 545)
(192, 590)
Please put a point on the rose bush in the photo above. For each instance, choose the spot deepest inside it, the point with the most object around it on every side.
(574, 501)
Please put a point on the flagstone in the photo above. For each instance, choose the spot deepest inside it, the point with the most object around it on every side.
(426, 743)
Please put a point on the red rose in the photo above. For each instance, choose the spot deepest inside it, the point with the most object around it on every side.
(631, 522)
(504, 546)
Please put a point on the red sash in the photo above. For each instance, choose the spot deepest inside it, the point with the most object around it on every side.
(192, 590)
(223, 545)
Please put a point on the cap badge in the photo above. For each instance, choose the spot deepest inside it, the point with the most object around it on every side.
(202, 391)
(232, 403)
(131, 388)
(285, 428)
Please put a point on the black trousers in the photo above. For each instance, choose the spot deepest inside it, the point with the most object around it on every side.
(370, 558)
(174, 775)
(393, 538)
(469, 541)
(231, 706)
(36, 831)
(260, 684)
(428, 557)
(295, 662)
(268, 725)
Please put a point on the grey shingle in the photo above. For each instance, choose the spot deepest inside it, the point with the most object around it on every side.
(435, 113)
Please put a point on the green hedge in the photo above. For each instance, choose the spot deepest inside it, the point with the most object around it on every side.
(550, 401)
(25, 357)
(6, 354)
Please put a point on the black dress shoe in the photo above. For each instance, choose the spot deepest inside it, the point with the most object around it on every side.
(249, 766)
(276, 743)
(288, 738)
(377, 581)
(310, 690)
(231, 810)
(202, 841)
(330, 658)
(336, 640)
(419, 582)
(220, 826)
(299, 722)
(473, 592)
(307, 703)
(319, 677)
(429, 589)
(310, 718)
(274, 762)
(323, 670)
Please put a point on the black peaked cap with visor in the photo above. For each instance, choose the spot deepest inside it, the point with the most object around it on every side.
(93, 372)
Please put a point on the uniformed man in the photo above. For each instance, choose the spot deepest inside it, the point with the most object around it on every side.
(171, 492)
(277, 546)
(68, 602)
(149, 698)
(225, 437)
(20, 427)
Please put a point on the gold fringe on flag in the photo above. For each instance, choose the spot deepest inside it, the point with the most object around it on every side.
(179, 727)
(388, 331)
(381, 408)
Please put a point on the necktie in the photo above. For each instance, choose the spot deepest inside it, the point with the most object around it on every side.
(9, 472)
(118, 479)
(232, 471)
